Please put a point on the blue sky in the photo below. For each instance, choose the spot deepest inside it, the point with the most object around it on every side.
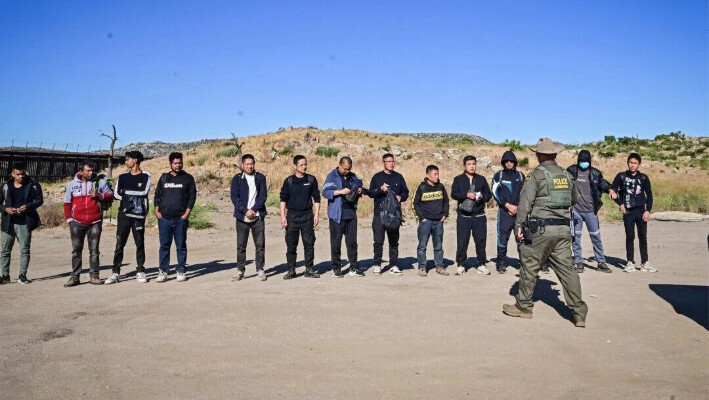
(182, 70)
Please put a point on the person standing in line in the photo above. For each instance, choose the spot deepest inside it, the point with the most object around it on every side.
(248, 194)
(589, 186)
(431, 206)
(20, 197)
(131, 190)
(472, 193)
(175, 196)
(544, 214)
(342, 189)
(382, 183)
(84, 214)
(299, 196)
(506, 188)
(635, 200)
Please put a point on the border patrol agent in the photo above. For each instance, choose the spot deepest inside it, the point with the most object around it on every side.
(543, 223)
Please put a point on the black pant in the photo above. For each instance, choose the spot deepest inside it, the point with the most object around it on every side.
(301, 226)
(505, 226)
(634, 217)
(393, 237)
(79, 232)
(123, 229)
(258, 231)
(464, 226)
(348, 229)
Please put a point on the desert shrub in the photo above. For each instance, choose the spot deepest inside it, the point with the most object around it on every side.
(206, 177)
(228, 152)
(680, 196)
(608, 153)
(198, 218)
(609, 139)
(524, 162)
(513, 145)
(273, 199)
(407, 156)
(51, 215)
(201, 159)
(327, 151)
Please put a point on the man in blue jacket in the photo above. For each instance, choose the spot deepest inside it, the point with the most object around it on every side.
(248, 194)
(342, 189)
(506, 187)
(20, 197)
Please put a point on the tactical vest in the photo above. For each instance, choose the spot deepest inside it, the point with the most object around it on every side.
(559, 192)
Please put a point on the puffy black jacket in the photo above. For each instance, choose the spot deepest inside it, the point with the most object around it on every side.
(33, 199)
(598, 184)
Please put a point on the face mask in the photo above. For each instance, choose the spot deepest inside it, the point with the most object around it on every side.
(584, 164)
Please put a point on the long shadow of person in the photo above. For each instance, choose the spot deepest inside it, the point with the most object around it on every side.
(549, 295)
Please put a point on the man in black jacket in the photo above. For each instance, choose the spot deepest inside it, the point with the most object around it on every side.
(431, 206)
(132, 190)
(248, 194)
(589, 187)
(506, 188)
(175, 196)
(472, 192)
(635, 199)
(20, 197)
(381, 183)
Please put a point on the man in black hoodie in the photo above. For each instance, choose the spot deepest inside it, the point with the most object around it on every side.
(431, 206)
(472, 192)
(506, 187)
(589, 186)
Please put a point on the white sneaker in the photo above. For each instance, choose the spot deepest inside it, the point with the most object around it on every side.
(262, 275)
(647, 267)
(112, 279)
(162, 277)
(461, 270)
(377, 270)
(629, 267)
(141, 278)
(395, 270)
(181, 276)
(482, 270)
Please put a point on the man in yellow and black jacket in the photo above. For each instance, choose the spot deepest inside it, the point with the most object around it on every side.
(431, 205)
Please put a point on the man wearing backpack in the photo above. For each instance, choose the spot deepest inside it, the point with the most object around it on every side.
(175, 196)
(506, 187)
(384, 185)
(83, 212)
(472, 192)
(589, 186)
(299, 196)
(248, 194)
(342, 189)
(20, 197)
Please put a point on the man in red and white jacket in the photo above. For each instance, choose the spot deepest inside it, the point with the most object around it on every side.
(83, 213)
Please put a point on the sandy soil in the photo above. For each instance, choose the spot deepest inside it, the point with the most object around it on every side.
(375, 337)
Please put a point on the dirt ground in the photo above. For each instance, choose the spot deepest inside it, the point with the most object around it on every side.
(388, 337)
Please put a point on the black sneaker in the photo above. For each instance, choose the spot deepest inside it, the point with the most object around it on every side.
(311, 274)
(4, 279)
(603, 267)
(337, 273)
(501, 269)
(290, 274)
(23, 279)
(579, 268)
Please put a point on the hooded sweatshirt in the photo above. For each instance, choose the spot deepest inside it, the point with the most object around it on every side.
(79, 206)
(507, 184)
(431, 201)
(590, 179)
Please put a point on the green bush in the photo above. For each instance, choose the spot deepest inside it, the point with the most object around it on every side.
(286, 151)
(198, 217)
(228, 152)
(513, 145)
(524, 162)
(609, 153)
(327, 151)
(273, 199)
(202, 159)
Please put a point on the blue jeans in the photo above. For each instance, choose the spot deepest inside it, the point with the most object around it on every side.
(594, 230)
(169, 229)
(426, 229)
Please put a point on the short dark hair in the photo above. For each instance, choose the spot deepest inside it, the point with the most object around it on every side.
(297, 159)
(345, 160)
(135, 154)
(87, 163)
(431, 168)
(175, 155)
(247, 157)
(19, 165)
(635, 156)
(387, 155)
(469, 158)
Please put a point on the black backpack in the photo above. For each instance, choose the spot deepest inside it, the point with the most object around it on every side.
(391, 212)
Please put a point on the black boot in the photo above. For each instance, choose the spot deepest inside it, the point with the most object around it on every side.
(310, 273)
(290, 274)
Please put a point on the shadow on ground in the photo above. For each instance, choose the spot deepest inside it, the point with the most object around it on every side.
(692, 301)
(547, 294)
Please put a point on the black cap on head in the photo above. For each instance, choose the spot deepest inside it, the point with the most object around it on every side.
(584, 155)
